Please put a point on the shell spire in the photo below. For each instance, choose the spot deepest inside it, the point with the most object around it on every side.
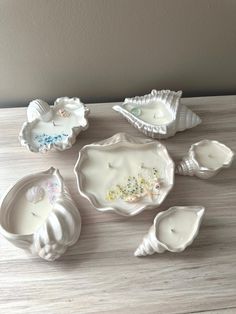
(149, 245)
(185, 167)
(187, 119)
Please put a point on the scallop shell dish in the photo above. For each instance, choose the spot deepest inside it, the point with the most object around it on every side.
(53, 128)
(159, 114)
(127, 187)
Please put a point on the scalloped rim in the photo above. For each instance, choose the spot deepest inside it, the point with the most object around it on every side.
(199, 210)
(192, 155)
(62, 146)
(118, 139)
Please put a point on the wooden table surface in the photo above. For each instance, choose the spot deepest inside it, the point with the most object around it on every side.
(100, 274)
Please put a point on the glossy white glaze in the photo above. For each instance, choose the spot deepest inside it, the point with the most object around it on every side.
(205, 159)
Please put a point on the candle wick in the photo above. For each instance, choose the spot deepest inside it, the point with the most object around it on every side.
(172, 230)
(54, 124)
(110, 165)
(142, 165)
(34, 214)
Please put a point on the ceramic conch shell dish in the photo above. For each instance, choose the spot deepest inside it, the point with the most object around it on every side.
(51, 236)
(111, 178)
(163, 114)
(152, 242)
(191, 164)
(53, 128)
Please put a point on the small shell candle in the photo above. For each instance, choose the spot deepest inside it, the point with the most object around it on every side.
(205, 159)
(159, 114)
(38, 215)
(111, 178)
(173, 230)
(53, 128)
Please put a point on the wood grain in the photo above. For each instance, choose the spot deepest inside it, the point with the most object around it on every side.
(100, 274)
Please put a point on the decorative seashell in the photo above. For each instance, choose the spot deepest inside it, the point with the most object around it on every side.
(146, 195)
(63, 113)
(39, 109)
(219, 155)
(180, 117)
(55, 133)
(35, 194)
(154, 243)
(60, 229)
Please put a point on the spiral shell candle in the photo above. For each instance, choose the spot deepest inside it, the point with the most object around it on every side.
(46, 226)
(173, 230)
(159, 114)
(205, 159)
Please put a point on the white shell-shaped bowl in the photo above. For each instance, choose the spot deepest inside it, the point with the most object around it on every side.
(182, 117)
(190, 165)
(151, 244)
(121, 141)
(41, 117)
(61, 228)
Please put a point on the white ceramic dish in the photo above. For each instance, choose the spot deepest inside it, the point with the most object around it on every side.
(151, 243)
(159, 114)
(53, 128)
(124, 174)
(38, 215)
(216, 154)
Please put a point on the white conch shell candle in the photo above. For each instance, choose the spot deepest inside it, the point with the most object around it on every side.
(173, 230)
(159, 114)
(205, 159)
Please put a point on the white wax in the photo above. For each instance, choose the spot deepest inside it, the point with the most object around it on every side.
(24, 216)
(154, 112)
(177, 228)
(124, 162)
(62, 125)
(210, 155)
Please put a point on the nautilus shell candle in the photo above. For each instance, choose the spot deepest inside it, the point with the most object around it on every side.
(159, 114)
(38, 215)
(125, 174)
(53, 128)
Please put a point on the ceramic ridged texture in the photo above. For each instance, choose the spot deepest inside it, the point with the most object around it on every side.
(60, 103)
(39, 109)
(183, 117)
(150, 243)
(189, 165)
(60, 230)
(186, 167)
(117, 139)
